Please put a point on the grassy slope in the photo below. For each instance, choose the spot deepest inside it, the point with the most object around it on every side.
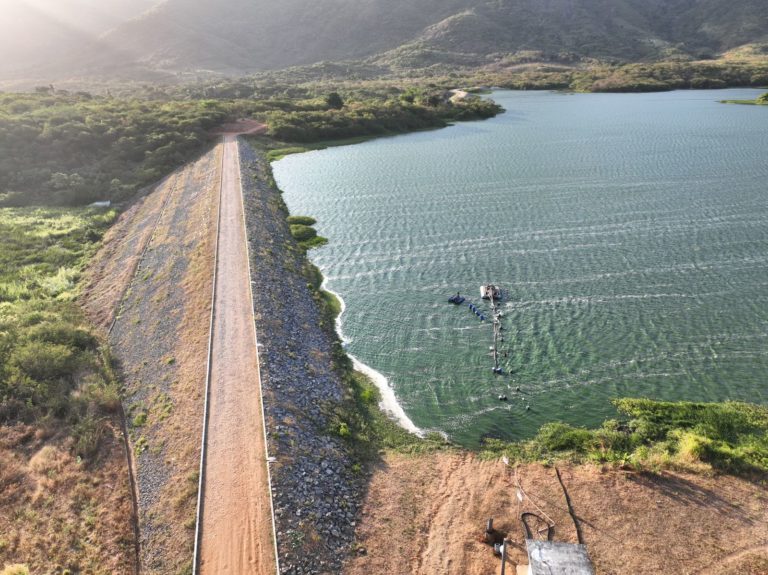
(63, 478)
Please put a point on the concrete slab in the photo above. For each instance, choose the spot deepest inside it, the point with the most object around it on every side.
(550, 558)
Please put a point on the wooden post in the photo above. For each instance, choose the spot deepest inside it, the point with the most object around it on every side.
(489, 526)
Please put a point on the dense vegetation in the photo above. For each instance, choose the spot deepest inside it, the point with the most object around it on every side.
(729, 437)
(52, 366)
(69, 149)
(678, 75)
(646, 77)
(64, 149)
(415, 109)
(362, 84)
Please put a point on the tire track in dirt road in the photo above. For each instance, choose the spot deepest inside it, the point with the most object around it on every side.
(236, 525)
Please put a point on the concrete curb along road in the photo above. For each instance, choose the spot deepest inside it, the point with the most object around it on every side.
(201, 473)
(256, 342)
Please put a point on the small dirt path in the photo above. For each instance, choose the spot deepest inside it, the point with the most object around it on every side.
(236, 528)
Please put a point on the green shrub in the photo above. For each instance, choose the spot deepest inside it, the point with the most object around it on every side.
(88, 434)
(334, 101)
(63, 333)
(369, 394)
(302, 220)
(559, 436)
(692, 447)
(343, 430)
(44, 361)
(302, 232)
(106, 397)
(315, 242)
(612, 438)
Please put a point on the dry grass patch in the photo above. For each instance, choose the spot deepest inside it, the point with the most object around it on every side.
(63, 513)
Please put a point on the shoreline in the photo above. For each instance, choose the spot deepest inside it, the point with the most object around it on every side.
(388, 403)
(277, 154)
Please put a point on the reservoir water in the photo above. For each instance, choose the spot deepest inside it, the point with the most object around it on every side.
(629, 230)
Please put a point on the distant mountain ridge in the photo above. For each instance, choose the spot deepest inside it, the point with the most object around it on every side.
(244, 36)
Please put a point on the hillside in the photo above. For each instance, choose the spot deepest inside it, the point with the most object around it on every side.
(247, 36)
(36, 34)
(624, 30)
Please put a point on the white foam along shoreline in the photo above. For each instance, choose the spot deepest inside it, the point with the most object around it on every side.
(388, 403)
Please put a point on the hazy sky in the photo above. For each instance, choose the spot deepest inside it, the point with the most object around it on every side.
(93, 17)
(32, 32)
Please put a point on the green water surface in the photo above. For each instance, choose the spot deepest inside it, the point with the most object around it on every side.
(629, 230)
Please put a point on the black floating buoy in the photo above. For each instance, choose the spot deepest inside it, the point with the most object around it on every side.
(502, 398)
(527, 408)
(517, 388)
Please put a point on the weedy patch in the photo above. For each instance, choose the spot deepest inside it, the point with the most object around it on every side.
(54, 372)
(727, 437)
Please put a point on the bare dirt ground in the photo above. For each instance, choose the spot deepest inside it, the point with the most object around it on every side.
(426, 515)
(112, 269)
(236, 530)
(243, 126)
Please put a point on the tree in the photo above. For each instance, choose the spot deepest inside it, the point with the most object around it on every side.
(334, 101)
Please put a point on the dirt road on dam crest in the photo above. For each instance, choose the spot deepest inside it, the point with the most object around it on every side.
(236, 530)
